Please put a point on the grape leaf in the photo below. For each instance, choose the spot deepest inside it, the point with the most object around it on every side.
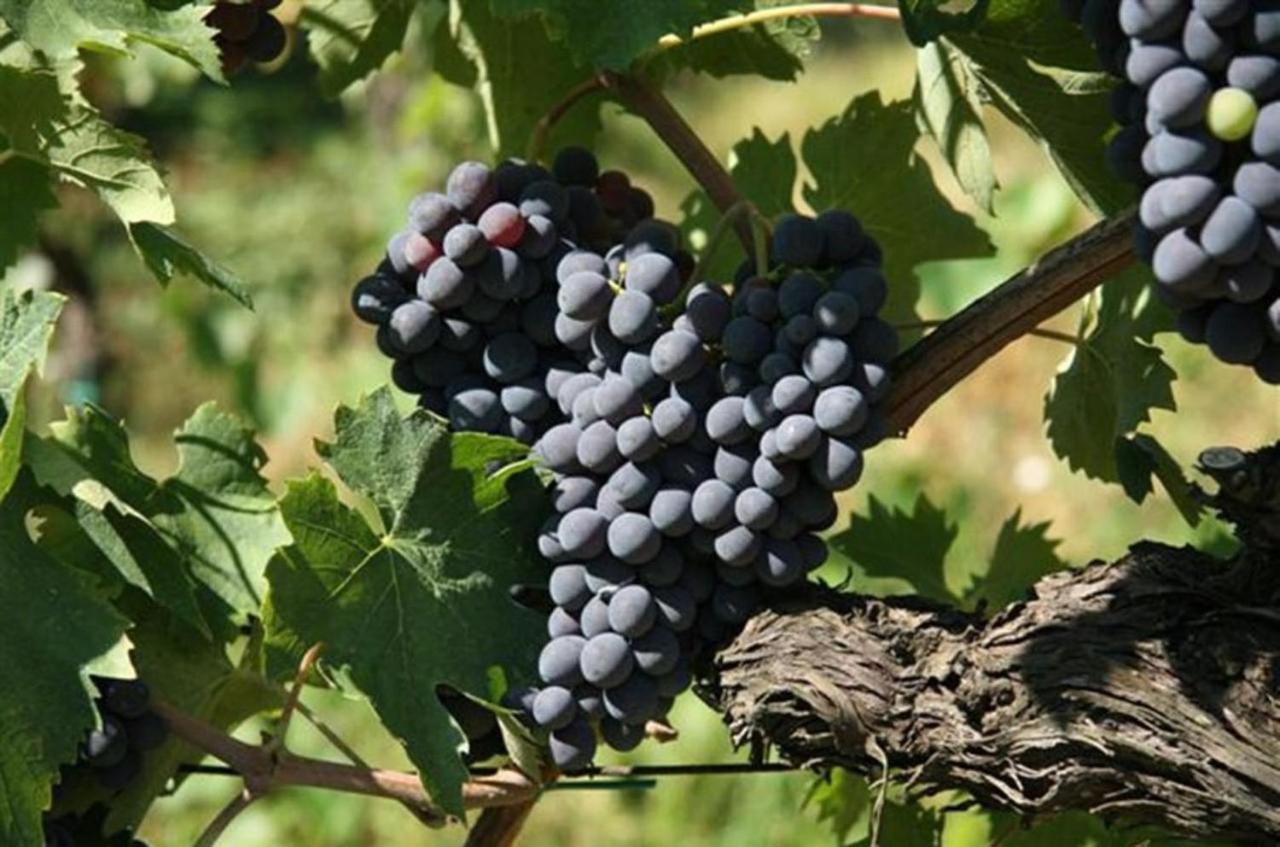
(899, 552)
(518, 72)
(167, 255)
(774, 49)
(422, 599)
(60, 28)
(925, 20)
(764, 172)
(1022, 555)
(115, 165)
(25, 192)
(31, 102)
(1106, 388)
(896, 197)
(948, 108)
(1035, 67)
(1141, 457)
(26, 324)
(351, 40)
(215, 512)
(195, 675)
(632, 30)
(843, 799)
(55, 627)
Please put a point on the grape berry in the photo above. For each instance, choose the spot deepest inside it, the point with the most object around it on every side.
(247, 32)
(1200, 135)
(697, 437)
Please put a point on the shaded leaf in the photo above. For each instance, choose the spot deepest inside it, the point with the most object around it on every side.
(1041, 73)
(113, 164)
(775, 49)
(948, 107)
(25, 192)
(518, 71)
(899, 552)
(55, 628)
(864, 161)
(1139, 458)
(422, 599)
(925, 20)
(350, 39)
(631, 29)
(167, 255)
(1022, 555)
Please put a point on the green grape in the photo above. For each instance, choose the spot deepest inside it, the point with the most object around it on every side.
(1231, 114)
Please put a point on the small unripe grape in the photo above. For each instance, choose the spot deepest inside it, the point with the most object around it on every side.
(1231, 114)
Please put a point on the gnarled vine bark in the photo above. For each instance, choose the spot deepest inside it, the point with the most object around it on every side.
(1143, 689)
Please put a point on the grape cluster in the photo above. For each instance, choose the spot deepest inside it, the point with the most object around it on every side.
(86, 829)
(696, 466)
(129, 729)
(466, 300)
(1200, 134)
(247, 32)
(696, 438)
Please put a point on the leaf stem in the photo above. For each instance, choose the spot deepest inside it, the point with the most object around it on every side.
(759, 16)
(229, 813)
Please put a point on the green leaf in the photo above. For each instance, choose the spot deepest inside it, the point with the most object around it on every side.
(350, 39)
(1022, 555)
(1106, 388)
(55, 627)
(926, 20)
(61, 28)
(422, 599)
(948, 108)
(167, 255)
(216, 512)
(844, 800)
(864, 161)
(31, 102)
(195, 675)
(898, 552)
(1141, 457)
(112, 163)
(613, 33)
(764, 172)
(13, 425)
(518, 72)
(25, 192)
(1041, 73)
(26, 325)
(775, 49)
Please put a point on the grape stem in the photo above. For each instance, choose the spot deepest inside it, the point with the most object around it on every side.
(538, 137)
(759, 16)
(674, 131)
(938, 362)
(229, 813)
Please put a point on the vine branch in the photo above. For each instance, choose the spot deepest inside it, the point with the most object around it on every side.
(689, 148)
(759, 16)
(934, 365)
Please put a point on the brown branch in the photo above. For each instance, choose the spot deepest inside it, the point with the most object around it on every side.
(932, 367)
(1144, 691)
(264, 770)
(680, 138)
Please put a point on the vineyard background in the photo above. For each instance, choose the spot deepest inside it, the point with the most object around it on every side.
(296, 193)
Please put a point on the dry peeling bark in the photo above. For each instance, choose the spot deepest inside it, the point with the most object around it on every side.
(1145, 690)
